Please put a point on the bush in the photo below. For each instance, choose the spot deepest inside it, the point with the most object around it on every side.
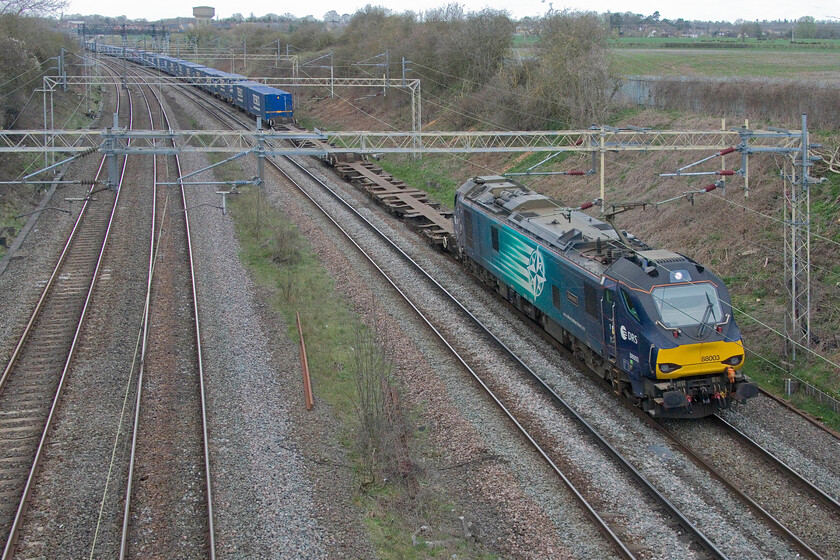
(26, 43)
(18, 68)
(573, 83)
(378, 438)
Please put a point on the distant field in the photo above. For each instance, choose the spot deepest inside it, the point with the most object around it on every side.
(747, 63)
(718, 57)
(708, 43)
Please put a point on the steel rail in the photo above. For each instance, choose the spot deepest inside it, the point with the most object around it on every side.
(589, 510)
(8, 550)
(199, 354)
(143, 346)
(798, 543)
(810, 419)
(698, 535)
(778, 463)
(651, 490)
(603, 527)
(803, 547)
(205, 439)
(45, 292)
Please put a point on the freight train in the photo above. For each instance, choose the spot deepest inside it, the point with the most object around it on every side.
(655, 324)
(270, 104)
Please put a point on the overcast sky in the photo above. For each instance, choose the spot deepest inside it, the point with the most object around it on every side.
(713, 10)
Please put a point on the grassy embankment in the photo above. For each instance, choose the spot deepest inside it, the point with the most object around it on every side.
(18, 200)
(718, 43)
(768, 365)
(768, 59)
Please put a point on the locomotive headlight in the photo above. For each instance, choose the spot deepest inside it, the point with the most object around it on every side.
(668, 368)
(734, 360)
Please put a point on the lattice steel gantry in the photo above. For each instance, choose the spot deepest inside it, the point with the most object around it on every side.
(598, 141)
(798, 243)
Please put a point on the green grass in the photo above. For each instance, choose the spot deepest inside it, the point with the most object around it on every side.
(520, 41)
(824, 207)
(283, 263)
(727, 63)
(532, 159)
(623, 114)
(432, 174)
(301, 284)
(311, 123)
(714, 43)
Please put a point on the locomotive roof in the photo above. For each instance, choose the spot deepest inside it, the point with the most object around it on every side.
(589, 242)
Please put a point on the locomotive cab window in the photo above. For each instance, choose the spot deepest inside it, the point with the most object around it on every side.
(628, 303)
(494, 238)
(687, 305)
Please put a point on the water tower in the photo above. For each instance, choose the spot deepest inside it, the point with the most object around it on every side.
(204, 14)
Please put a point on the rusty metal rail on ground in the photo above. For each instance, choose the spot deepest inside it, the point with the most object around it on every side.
(304, 363)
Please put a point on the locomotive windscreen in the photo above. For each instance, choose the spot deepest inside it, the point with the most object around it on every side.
(687, 305)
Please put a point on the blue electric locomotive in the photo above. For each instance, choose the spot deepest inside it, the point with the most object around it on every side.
(655, 324)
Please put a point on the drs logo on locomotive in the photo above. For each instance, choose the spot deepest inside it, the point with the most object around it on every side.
(627, 335)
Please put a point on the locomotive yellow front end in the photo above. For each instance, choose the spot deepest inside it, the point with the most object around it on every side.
(698, 359)
(702, 358)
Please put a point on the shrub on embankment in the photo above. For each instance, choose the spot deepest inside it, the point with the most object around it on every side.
(775, 100)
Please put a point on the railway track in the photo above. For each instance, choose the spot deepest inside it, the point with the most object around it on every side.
(32, 387)
(31, 384)
(767, 483)
(597, 510)
(168, 505)
(804, 415)
(701, 542)
(589, 504)
(813, 535)
(818, 544)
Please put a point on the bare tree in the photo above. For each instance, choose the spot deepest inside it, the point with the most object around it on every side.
(477, 47)
(32, 7)
(17, 69)
(376, 439)
(574, 80)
